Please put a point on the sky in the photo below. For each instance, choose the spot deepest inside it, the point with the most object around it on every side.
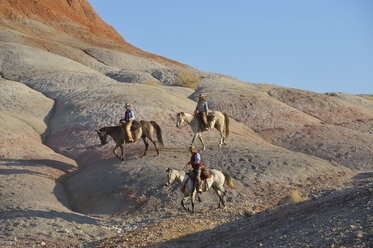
(317, 45)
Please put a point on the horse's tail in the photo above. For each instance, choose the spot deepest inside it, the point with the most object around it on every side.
(227, 125)
(158, 130)
(229, 180)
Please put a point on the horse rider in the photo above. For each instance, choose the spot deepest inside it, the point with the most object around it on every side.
(202, 111)
(196, 163)
(129, 117)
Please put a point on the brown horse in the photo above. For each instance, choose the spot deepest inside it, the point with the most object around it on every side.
(119, 135)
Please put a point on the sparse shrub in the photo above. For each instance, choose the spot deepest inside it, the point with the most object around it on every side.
(266, 87)
(187, 79)
(152, 82)
(297, 196)
(369, 97)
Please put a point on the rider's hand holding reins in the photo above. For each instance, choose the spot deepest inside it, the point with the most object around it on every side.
(187, 166)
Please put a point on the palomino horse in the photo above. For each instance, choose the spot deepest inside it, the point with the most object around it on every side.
(219, 120)
(119, 135)
(187, 186)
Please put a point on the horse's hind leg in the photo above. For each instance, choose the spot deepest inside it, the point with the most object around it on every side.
(221, 195)
(145, 139)
(155, 144)
(122, 151)
(222, 139)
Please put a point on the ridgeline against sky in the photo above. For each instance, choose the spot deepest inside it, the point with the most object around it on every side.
(318, 45)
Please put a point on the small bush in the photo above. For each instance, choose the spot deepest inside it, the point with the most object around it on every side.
(266, 87)
(152, 83)
(187, 79)
(296, 196)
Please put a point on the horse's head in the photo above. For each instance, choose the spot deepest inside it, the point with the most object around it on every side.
(171, 177)
(102, 135)
(180, 119)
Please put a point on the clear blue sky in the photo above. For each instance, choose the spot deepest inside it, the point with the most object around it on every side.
(318, 45)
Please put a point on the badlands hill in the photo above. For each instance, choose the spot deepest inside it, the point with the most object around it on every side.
(65, 73)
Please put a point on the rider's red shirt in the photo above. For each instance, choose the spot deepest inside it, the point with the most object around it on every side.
(193, 158)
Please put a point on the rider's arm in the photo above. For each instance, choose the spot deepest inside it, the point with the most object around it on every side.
(131, 116)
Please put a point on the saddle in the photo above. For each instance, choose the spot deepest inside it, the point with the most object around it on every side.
(210, 118)
(135, 125)
(205, 174)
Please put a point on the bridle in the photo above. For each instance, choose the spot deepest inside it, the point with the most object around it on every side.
(102, 136)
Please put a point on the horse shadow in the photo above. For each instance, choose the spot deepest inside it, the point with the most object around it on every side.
(62, 166)
(51, 214)
(364, 175)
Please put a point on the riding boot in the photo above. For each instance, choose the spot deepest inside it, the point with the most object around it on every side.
(199, 189)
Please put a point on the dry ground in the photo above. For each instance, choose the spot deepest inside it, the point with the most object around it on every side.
(65, 73)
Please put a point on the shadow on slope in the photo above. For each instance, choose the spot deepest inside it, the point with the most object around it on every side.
(59, 165)
(340, 218)
(51, 214)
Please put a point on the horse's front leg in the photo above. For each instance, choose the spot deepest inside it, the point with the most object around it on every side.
(202, 141)
(192, 199)
(115, 152)
(221, 142)
(194, 138)
(183, 203)
(121, 149)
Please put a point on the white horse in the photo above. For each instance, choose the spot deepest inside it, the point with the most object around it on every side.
(220, 121)
(216, 181)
